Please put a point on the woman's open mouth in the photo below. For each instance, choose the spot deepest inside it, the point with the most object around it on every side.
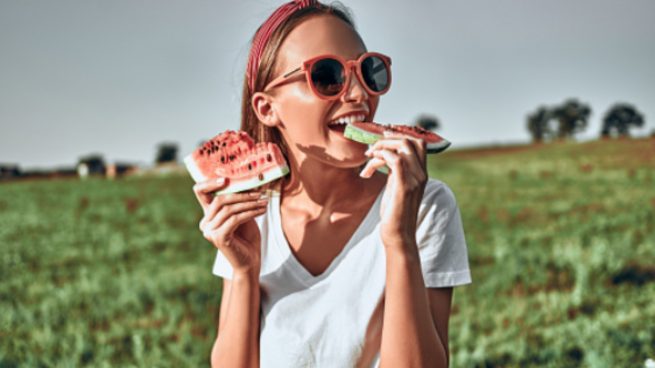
(339, 125)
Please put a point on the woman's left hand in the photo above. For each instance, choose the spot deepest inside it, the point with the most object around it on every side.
(406, 159)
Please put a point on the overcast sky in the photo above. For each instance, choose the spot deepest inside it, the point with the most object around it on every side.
(120, 76)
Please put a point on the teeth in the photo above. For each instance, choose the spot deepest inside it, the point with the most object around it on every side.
(348, 119)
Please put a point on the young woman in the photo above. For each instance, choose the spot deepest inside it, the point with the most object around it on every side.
(345, 266)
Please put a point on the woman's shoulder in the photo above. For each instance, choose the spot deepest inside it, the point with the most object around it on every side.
(438, 202)
(437, 190)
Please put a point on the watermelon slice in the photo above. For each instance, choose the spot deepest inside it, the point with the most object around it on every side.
(370, 132)
(234, 155)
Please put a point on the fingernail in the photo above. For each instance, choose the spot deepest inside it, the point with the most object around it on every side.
(220, 180)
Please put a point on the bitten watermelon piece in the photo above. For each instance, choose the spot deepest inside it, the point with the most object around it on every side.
(234, 155)
(370, 132)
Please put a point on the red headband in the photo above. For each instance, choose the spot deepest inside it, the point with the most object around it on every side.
(264, 33)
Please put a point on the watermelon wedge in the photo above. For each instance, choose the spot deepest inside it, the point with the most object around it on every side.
(234, 155)
(370, 132)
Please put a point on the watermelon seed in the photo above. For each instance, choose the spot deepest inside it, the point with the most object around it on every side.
(249, 167)
(269, 158)
(260, 176)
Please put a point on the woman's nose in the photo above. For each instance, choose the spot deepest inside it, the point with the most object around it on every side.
(355, 92)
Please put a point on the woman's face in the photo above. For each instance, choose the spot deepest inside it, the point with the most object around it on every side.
(303, 116)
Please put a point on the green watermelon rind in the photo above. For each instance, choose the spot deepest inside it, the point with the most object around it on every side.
(366, 137)
(360, 135)
(269, 175)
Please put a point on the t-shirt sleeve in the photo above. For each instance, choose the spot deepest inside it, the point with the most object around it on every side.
(440, 236)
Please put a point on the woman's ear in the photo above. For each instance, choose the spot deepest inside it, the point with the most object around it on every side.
(262, 103)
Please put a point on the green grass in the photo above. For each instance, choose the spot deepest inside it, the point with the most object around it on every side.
(110, 273)
(561, 243)
(562, 247)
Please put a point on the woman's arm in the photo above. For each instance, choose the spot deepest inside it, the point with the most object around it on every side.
(440, 300)
(409, 335)
(229, 224)
(237, 343)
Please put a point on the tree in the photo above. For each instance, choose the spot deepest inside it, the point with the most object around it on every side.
(572, 117)
(538, 124)
(166, 152)
(619, 119)
(428, 122)
(9, 171)
(91, 164)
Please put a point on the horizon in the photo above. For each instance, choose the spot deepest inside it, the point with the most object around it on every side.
(487, 145)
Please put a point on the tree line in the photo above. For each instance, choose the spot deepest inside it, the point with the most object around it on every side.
(572, 116)
(92, 164)
(566, 119)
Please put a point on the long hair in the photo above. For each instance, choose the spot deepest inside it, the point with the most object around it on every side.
(249, 121)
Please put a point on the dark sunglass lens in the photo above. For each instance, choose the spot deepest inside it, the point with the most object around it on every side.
(328, 77)
(375, 73)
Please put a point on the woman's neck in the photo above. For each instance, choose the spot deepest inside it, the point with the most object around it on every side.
(317, 187)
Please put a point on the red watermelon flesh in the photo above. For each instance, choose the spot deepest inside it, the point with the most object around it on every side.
(234, 155)
(370, 132)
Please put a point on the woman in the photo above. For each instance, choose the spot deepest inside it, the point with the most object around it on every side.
(346, 266)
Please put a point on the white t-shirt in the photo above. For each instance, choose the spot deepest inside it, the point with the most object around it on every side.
(321, 321)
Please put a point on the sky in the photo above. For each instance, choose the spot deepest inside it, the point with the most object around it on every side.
(119, 77)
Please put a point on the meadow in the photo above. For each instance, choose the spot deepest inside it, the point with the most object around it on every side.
(561, 241)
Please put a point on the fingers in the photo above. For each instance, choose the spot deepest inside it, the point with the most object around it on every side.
(419, 144)
(405, 156)
(218, 202)
(229, 210)
(204, 191)
(412, 150)
(221, 228)
(240, 218)
(390, 158)
(401, 144)
(372, 165)
(226, 199)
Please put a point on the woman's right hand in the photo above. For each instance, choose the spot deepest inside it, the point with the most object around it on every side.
(228, 223)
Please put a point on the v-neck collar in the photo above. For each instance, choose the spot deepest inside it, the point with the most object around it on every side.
(284, 249)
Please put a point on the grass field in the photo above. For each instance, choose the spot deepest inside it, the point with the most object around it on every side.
(561, 243)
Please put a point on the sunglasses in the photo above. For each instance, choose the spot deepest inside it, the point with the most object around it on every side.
(329, 75)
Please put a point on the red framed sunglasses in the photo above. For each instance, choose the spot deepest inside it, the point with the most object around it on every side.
(329, 75)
